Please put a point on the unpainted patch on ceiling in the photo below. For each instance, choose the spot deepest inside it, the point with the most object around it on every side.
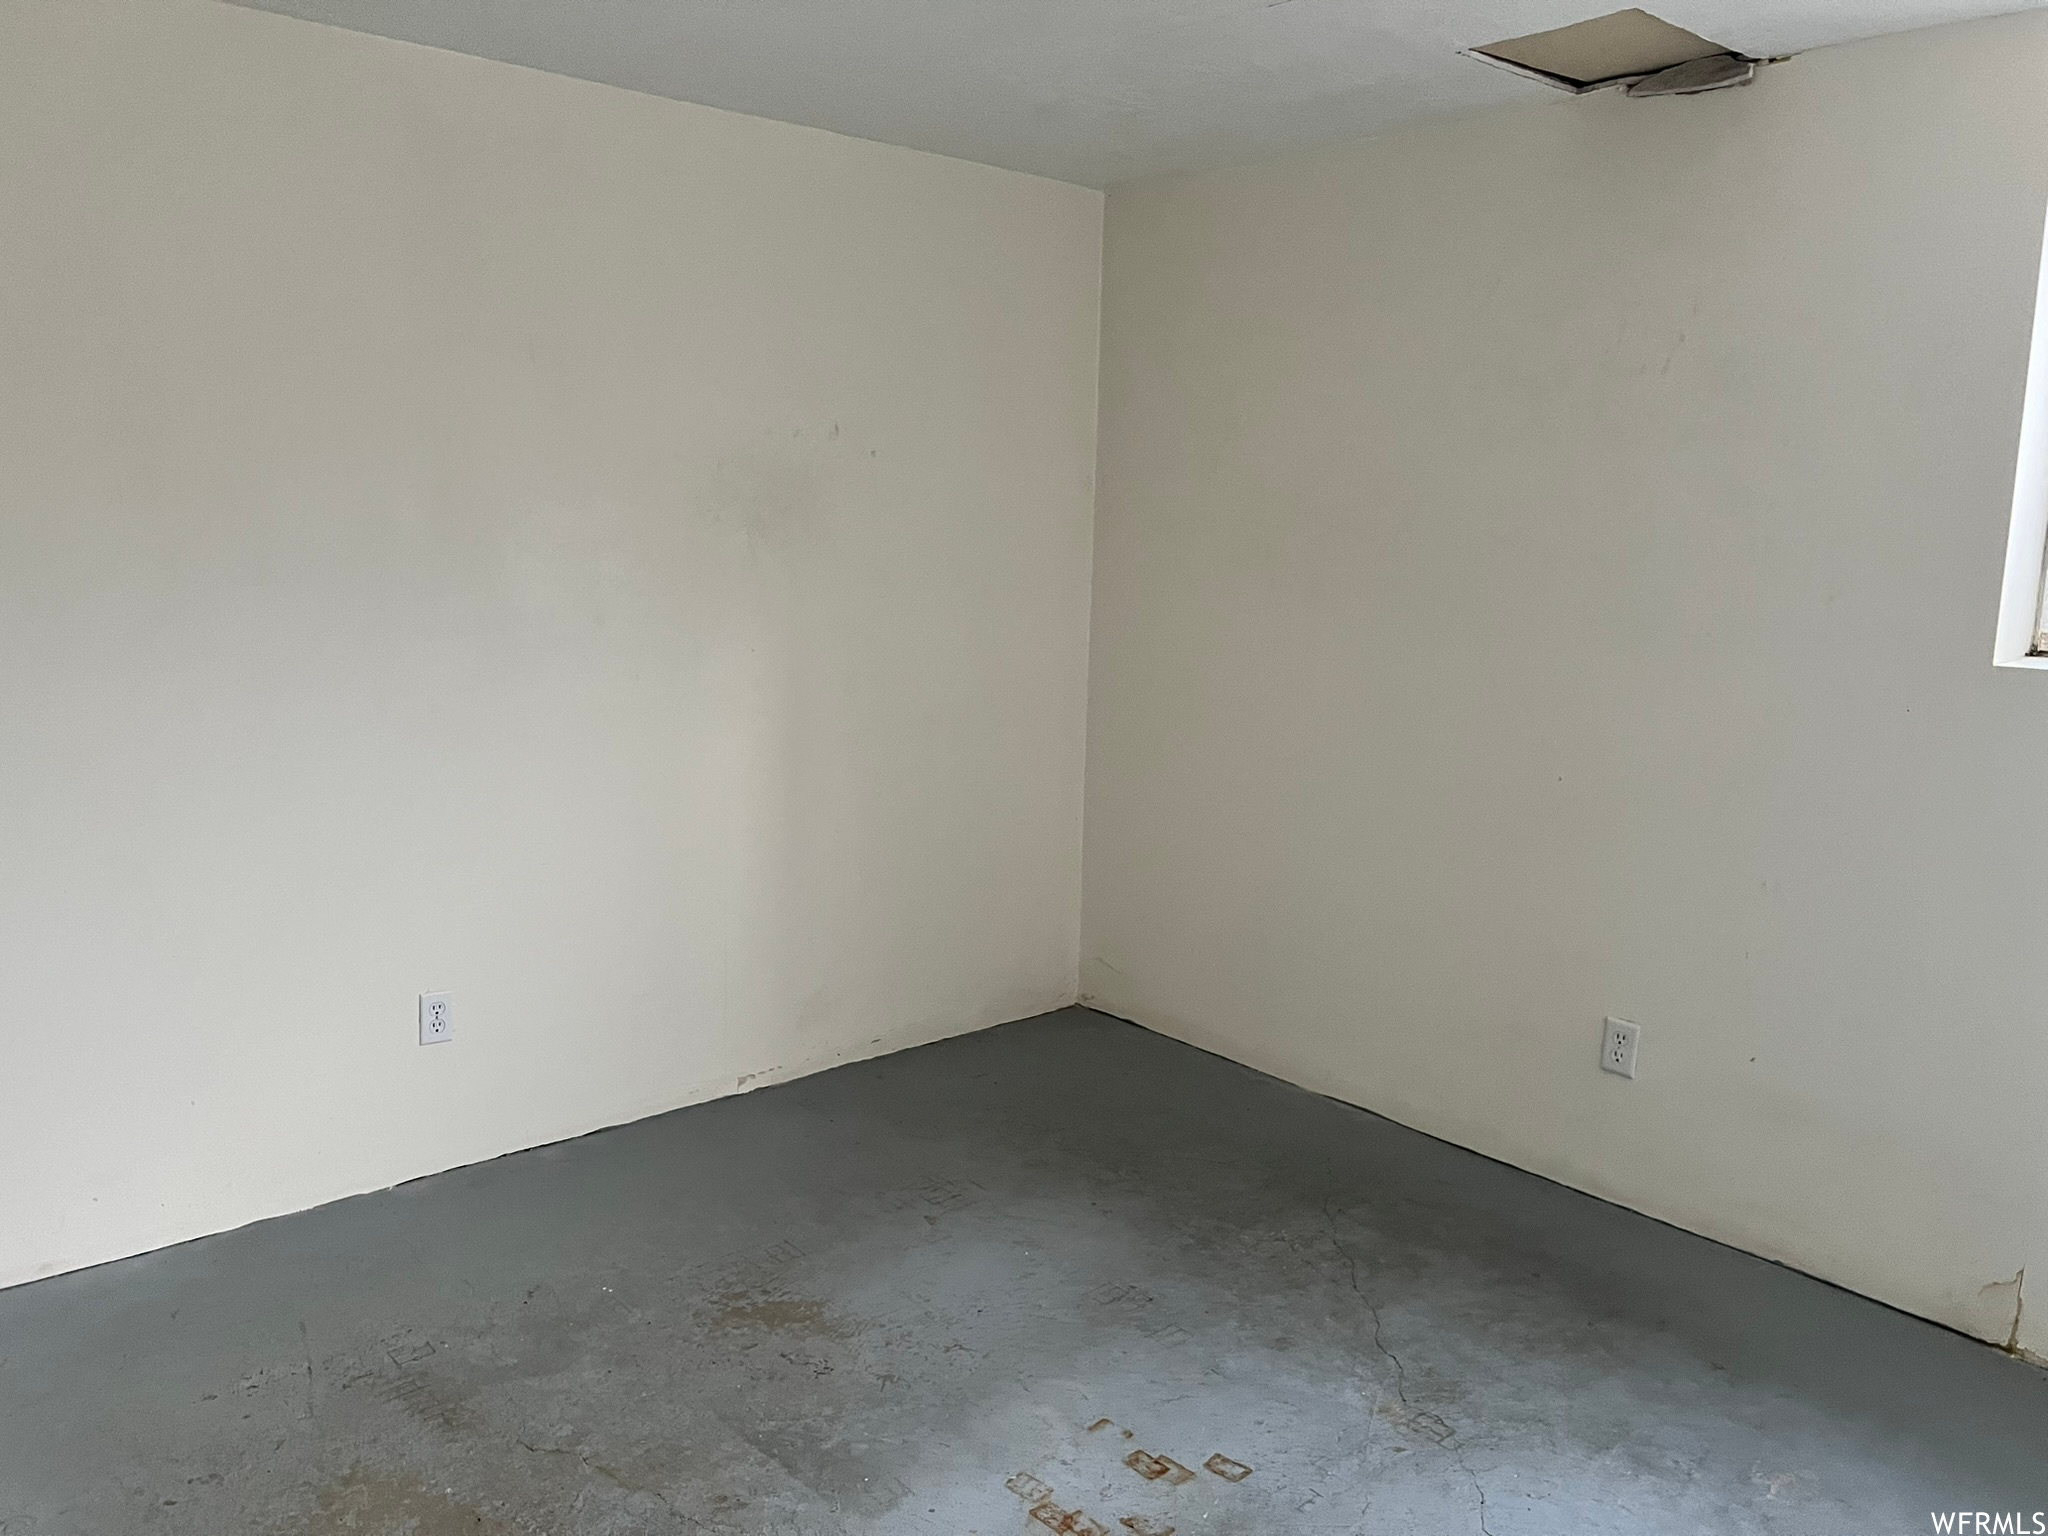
(1621, 46)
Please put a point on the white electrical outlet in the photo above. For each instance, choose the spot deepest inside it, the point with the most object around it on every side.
(437, 1018)
(1618, 1048)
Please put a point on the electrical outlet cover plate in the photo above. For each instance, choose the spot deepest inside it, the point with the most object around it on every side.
(437, 1018)
(1618, 1048)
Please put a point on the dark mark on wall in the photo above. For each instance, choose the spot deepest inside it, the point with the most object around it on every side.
(1138, 1525)
(1230, 1471)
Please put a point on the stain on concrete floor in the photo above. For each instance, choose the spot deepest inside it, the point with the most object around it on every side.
(362, 1504)
(900, 1299)
(737, 1311)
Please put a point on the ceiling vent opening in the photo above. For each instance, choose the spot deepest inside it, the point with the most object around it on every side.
(1632, 48)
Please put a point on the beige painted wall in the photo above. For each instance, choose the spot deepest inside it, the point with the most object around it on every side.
(1546, 566)
(622, 563)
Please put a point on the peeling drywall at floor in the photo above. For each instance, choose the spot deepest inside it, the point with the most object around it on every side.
(2011, 1295)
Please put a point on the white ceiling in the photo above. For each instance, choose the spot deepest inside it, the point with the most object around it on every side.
(1094, 91)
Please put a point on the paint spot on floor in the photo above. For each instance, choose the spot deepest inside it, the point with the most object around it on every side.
(1067, 1522)
(736, 1312)
(364, 1503)
(1155, 1468)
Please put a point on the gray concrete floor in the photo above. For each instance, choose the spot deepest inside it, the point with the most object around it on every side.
(1030, 1280)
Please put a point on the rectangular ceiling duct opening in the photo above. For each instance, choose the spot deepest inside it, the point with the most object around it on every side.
(1624, 45)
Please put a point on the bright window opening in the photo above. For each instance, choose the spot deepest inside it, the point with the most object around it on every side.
(2023, 600)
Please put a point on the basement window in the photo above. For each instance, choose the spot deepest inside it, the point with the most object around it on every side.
(2022, 636)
